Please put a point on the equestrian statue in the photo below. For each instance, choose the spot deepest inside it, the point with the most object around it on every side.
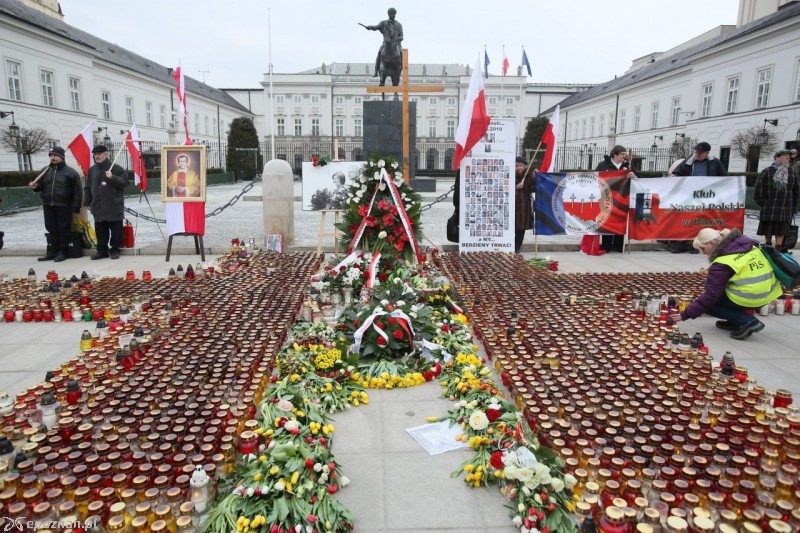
(389, 62)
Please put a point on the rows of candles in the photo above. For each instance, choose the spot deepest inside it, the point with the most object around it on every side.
(146, 420)
(643, 418)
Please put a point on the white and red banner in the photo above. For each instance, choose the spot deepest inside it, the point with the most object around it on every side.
(186, 217)
(488, 207)
(134, 146)
(473, 121)
(550, 139)
(676, 208)
(181, 91)
(81, 148)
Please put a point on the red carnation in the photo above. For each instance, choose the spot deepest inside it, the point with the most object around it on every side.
(355, 322)
(492, 414)
(445, 328)
(363, 210)
(391, 320)
(371, 221)
(383, 277)
(390, 238)
(342, 268)
(383, 205)
(496, 460)
(393, 210)
(428, 375)
(388, 220)
(353, 228)
(381, 341)
(399, 245)
(379, 324)
(398, 334)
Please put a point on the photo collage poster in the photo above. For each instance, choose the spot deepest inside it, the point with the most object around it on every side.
(487, 191)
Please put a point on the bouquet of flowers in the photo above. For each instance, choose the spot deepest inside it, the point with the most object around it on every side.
(344, 274)
(382, 217)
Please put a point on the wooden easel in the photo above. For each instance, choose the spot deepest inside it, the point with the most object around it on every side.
(198, 244)
(323, 233)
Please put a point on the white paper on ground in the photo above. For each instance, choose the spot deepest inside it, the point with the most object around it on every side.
(437, 437)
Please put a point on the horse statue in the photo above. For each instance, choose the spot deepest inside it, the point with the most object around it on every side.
(390, 60)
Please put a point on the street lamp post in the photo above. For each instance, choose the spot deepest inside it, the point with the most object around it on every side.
(13, 129)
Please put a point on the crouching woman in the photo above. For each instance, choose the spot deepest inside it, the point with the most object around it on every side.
(740, 279)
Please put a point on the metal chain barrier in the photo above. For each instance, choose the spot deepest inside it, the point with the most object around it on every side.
(440, 198)
(214, 213)
(19, 204)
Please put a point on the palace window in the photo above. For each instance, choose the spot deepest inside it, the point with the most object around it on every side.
(48, 93)
(75, 94)
(705, 107)
(762, 91)
(733, 95)
(14, 76)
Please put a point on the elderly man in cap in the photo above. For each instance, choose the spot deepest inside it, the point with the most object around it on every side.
(104, 195)
(60, 188)
(699, 164)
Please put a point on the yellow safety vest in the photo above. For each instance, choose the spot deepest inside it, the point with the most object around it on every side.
(753, 283)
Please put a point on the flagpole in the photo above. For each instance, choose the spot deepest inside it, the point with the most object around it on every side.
(520, 135)
(271, 102)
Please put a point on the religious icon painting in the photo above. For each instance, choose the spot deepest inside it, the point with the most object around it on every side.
(183, 173)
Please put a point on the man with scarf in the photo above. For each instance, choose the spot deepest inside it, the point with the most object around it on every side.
(776, 193)
(104, 194)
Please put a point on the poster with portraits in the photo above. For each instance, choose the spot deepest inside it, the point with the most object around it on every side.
(487, 191)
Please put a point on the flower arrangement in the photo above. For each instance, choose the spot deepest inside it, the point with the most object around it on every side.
(543, 263)
(320, 161)
(344, 274)
(375, 216)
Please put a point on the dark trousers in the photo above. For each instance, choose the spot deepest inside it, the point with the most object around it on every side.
(58, 222)
(612, 243)
(103, 231)
(519, 236)
(734, 313)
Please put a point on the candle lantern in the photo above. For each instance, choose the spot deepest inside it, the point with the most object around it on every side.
(7, 452)
(31, 275)
(73, 392)
(49, 407)
(124, 313)
(86, 340)
(102, 329)
(199, 485)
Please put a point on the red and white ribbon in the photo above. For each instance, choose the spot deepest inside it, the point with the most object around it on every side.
(347, 260)
(401, 210)
(358, 336)
(362, 227)
(372, 271)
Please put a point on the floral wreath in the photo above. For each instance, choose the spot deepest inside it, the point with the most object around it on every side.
(382, 215)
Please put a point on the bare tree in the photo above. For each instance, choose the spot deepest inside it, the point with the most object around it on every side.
(25, 141)
(750, 144)
(683, 148)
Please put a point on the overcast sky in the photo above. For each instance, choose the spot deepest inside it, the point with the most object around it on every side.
(567, 41)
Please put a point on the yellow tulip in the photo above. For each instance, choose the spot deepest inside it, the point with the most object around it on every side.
(257, 477)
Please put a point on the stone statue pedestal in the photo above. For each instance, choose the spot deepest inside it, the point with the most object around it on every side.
(278, 200)
(383, 131)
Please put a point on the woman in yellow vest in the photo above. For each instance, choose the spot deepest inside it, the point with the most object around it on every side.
(739, 280)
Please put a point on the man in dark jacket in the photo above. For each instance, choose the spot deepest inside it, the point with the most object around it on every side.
(104, 194)
(699, 164)
(60, 189)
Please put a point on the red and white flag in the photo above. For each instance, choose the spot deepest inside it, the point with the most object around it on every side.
(81, 148)
(505, 65)
(185, 217)
(550, 138)
(178, 75)
(134, 146)
(474, 121)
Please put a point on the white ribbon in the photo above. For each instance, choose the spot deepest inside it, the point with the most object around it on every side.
(373, 270)
(401, 210)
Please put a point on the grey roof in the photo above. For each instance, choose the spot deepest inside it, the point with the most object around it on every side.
(414, 69)
(679, 59)
(111, 53)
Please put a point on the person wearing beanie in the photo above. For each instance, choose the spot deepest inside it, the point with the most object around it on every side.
(776, 193)
(60, 189)
(523, 218)
(104, 194)
(740, 280)
(701, 163)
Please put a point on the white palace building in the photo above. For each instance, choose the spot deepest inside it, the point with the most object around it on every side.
(59, 78)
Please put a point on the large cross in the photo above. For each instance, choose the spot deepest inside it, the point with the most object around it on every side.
(404, 88)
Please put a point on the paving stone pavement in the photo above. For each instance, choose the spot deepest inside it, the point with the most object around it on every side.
(395, 485)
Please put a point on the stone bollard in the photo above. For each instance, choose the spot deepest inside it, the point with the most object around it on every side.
(278, 199)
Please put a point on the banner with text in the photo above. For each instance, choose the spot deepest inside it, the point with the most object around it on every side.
(487, 191)
(581, 203)
(676, 208)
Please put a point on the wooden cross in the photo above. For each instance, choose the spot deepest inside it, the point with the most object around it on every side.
(404, 88)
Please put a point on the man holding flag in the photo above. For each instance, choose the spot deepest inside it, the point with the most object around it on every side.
(104, 194)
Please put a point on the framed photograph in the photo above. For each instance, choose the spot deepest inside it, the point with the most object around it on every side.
(327, 186)
(183, 173)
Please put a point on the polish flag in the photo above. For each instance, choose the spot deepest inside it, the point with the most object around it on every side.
(505, 65)
(474, 121)
(81, 148)
(134, 146)
(549, 138)
(178, 75)
(186, 217)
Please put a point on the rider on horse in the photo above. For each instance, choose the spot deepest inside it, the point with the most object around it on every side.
(392, 35)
